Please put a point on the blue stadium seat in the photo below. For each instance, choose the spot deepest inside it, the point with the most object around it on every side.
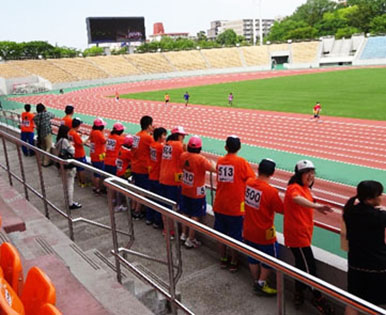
(375, 48)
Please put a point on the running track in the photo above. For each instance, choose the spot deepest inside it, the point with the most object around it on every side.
(354, 141)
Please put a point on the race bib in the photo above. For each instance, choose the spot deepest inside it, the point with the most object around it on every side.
(153, 154)
(92, 147)
(119, 164)
(225, 173)
(200, 191)
(167, 152)
(110, 144)
(270, 233)
(177, 177)
(252, 197)
(136, 140)
(188, 178)
(25, 123)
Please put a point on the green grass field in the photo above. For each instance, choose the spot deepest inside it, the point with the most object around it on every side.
(357, 93)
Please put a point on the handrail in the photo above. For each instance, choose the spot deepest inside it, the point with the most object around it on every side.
(280, 266)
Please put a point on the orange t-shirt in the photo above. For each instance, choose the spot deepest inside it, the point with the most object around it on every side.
(194, 167)
(74, 136)
(232, 174)
(140, 151)
(155, 157)
(123, 160)
(261, 202)
(27, 123)
(171, 170)
(298, 220)
(67, 120)
(97, 146)
(113, 144)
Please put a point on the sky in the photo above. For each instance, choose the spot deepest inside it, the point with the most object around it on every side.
(63, 22)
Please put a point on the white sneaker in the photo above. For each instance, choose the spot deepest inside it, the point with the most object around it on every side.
(183, 237)
(192, 243)
(122, 208)
(117, 208)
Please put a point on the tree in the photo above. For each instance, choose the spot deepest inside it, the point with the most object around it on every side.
(201, 36)
(280, 31)
(378, 24)
(346, 32)
(313, 10)
(227, 38)
(93, 51)
(307, 32)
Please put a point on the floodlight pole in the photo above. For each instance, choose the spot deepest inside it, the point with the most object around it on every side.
(260, 24)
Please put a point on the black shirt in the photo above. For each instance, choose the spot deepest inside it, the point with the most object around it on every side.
(366, 237)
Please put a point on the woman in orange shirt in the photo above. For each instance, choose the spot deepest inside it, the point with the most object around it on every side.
(298, 227)
(97, 151)
(113, 144)
(27, 129)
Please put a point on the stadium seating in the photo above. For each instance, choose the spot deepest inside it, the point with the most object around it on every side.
(11, 265)
(186, 60)
(10, 303)
(150, 63)
(256, 55)
(375, 48)
(304, 52)
(38, 290)
(115, 66)
(223, 58)
(46, 69)
(278, 47)
(80, 68)
(49, 309)
(11, 70)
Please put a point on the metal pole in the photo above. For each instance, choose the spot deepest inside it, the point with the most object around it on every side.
(7, 162)
(261, 24)
(114, 233)
(40, 171)
(172, 289)
(130, 223)
(63, 173)
(280, 293)
(211, 189)
(22, 171)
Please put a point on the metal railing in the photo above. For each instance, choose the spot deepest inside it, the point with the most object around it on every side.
(157, 203)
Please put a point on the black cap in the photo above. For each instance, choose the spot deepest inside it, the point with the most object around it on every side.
(76, 122)
(233, 144)
(267, 167)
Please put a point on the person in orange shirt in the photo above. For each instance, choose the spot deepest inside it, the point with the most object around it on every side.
(193, 201)
(261, 202)
(27, 129)
(159, 135)
(123, 168)
(140, 159)
(117, 96)
(167, 98)
(171, 170)
(80, 154)
(67, 120)
(113, 144)
(298, 227)
(97, 151)
(232, 174)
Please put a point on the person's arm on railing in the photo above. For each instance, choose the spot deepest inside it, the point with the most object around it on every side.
(301, 201)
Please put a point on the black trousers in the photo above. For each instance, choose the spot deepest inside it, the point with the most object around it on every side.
(304, 260)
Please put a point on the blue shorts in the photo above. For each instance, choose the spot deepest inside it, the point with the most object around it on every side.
(100, 165)
(141, 180)
(111, 169)
(155, 187)
(83, 160)
(229, 225)
(271, 249)
(193, 207)
(172, 192)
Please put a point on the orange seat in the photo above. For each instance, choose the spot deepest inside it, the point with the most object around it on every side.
(38, 290)
(12, 267)
(1, 272)
(10, 303)
(49, 309)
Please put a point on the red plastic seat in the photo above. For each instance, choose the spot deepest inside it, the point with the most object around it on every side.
(49, 309)
(10, 303)
(12, 268)
(38, 290)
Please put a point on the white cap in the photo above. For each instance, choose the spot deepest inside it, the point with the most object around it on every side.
(180, 130)
(304, 164)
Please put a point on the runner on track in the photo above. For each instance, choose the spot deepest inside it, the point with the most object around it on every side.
(317, 109)
(167, 98)
(186, 98)
(230, 99)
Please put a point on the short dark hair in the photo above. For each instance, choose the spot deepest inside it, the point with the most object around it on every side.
(194, 150)
(40, 108)
(233, 144)
(69, 110)
(27, 107)
(145, 122)
(267, 167)
(367, 189)
(76, 123)
(98, 127)
(116, 132)
(158, 132)
(172, 137)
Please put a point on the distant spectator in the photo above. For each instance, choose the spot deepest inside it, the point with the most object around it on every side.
(67, 120)
(317, 109)
(66, 150)
(42, 122)
(186, 98)
(167, 98)
(117, 96)
(366, 224)
(27, 129)
(299, 208)
(61, 91)
(113, 144)
(230, 99)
